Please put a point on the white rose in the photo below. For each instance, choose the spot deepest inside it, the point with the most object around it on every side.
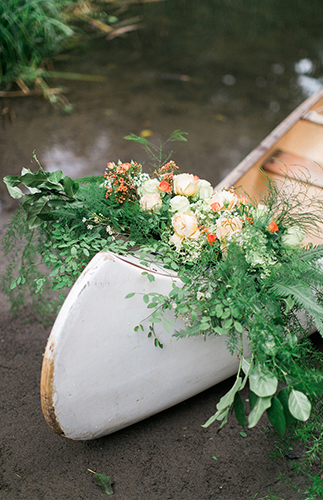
(186, 184)
(223, 200)
(148, 187)
(179, 204)
(151, 201)
(293, 237)
(185, 226)
(205, 191)
(226, 227)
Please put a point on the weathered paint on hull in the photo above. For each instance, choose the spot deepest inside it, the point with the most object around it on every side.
(99, 375)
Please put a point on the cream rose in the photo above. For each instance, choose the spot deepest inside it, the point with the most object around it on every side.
(223, 200)
(205, 191)
(185, 226)
(226, 227)
(151, 201)
(186, 184)
(149, 187)
(179, 204)
(293, 237)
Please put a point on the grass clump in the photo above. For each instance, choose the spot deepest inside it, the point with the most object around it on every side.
(30, 30)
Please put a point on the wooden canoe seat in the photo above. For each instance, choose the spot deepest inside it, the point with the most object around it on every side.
(294, 167)
(314, 117)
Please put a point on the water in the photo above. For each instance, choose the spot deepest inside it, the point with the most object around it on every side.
(227, 72)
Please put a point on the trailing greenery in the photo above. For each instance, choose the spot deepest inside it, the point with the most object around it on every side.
(243, 270)
(308, 435)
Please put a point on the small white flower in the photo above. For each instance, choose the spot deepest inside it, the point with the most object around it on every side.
(89, 226)
(84, 219)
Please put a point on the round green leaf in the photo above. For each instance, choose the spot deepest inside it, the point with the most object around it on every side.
(299, 405)
(264, 384)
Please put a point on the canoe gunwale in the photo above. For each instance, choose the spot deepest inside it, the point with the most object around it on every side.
(256, 154)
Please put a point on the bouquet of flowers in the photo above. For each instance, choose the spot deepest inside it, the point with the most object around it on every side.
(244, 266)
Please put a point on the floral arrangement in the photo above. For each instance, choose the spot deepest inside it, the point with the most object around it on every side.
(245, 269)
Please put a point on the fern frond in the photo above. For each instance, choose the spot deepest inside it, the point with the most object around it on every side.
(304, 297)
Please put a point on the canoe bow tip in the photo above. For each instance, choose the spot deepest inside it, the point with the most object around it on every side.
(47, 395)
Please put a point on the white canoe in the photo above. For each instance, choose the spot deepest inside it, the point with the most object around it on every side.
(98, 374)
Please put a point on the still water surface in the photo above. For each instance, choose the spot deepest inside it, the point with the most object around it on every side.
(227, 72)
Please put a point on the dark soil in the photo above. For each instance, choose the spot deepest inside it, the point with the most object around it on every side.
(168, 456)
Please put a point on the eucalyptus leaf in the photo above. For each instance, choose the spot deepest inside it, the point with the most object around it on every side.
(246, 365)
(299, 405)
(258, 410)
(219, 415)
(283, 398)
(228, 398)
(262, 382)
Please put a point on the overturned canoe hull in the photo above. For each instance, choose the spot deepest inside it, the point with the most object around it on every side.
(99, 375)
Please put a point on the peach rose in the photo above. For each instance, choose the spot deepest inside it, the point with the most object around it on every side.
(186, 184)
(151, 201)
(226, 227)
(185, 226)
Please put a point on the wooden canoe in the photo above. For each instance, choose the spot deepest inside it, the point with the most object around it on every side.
(98, 374)
(294, 149)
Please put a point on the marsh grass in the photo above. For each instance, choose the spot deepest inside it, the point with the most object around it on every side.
(30, 31)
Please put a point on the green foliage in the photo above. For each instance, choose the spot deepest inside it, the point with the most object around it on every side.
(30, 30)
(252, 287)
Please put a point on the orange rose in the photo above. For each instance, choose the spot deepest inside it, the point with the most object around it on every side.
(272, 227)
(165, 187)
(211, 238)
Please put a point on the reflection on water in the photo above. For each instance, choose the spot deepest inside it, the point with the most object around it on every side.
(308, 84)
(60, 157)
(225, 71)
